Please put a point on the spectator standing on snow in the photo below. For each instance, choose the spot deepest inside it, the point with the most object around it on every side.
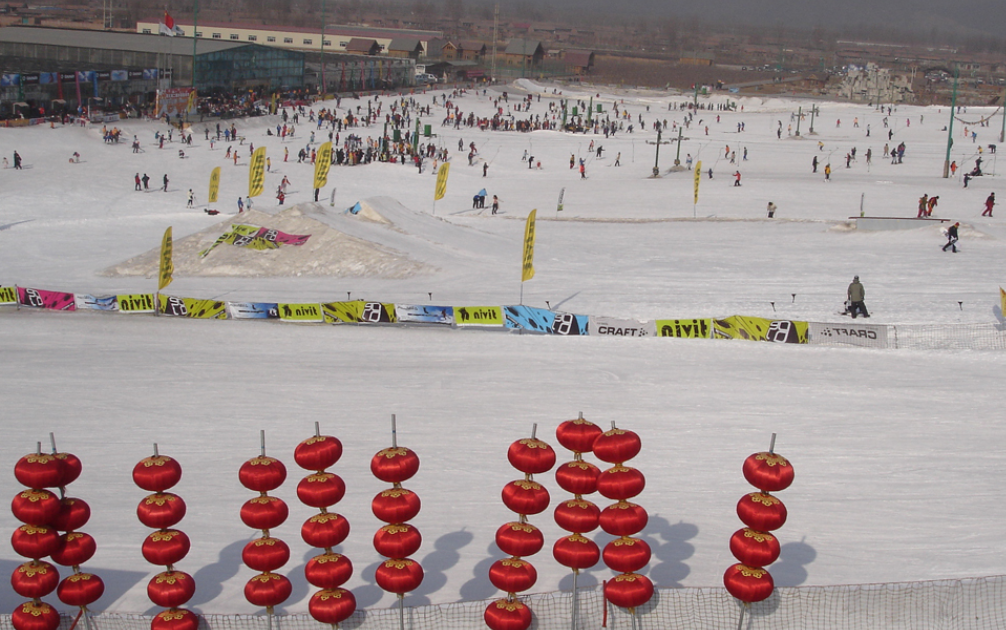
(192, 198)
(146, 181)
(923, 201)
(856, 294)
(136, 180)
(496, 204)
(165, 188)
(17, 161)
(241, 205)
(771, 210)
(991, 201)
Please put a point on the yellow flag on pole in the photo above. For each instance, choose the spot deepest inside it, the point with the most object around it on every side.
(1002, 298)
(527, 270)
(167, 267)
(214, 185)
(441, 182)
(256, 173)
(698, 178)
(322, 162)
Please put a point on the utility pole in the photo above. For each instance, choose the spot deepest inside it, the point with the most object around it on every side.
(496, 21)
(799, 115)
(1002, 134)
(813, 111)
(322, 82)
(677, 158)
(195, 38)
(950, 127)
(656, 159)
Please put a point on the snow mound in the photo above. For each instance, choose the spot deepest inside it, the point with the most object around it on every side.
(328, 252)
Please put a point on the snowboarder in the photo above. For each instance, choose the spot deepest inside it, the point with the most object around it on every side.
(771, 210)
(856, 294)
(952, 238)
(991, 201)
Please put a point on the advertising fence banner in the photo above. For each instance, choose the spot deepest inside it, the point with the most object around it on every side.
(191, 307)
(253, 310)
(424, 314)
(51, 300)
(612, 327)
(866, 335)
(760, 329)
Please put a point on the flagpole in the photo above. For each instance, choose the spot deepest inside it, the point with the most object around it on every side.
(195, 38)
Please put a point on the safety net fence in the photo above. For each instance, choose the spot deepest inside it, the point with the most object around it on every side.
(971, 603)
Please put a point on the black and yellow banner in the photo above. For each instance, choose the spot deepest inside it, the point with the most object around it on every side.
(441, 189)
(478, 315)
(214, 185)
(135, 302)
(8, 295)
(359, 312)
(167, 265)
(698, 178)
(191, 307)
(256, 173)
(760, 329)
(688, 328)
(301, 313)
(322, 162)
(527, 269)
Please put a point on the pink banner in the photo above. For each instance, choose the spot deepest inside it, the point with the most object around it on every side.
(282, 238)
(40, 298)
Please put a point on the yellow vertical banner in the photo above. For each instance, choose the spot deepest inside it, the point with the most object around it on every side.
(256, 173)
(698, 178)
(1002, 299)
(214, 185)
(190, 106)
(167, 266)
(441, 181)
(527, 270)
(322, 162)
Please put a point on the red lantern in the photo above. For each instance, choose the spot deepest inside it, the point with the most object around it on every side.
(161, 510)
(73, 514)
(157, 474)
(399, 575)
(171, 589)
(525, 497)
(519, 539)
(748, 584)
(262, 474)
(268, 589)
(332, 606)
(577, 477)
(768, 472)
(325, 530)
(34, 579)
(576, 552)
(626, 555)
(395, 505)
(505, 614)
(394, 465)
(512, 575)
(621, 483)
(264, 554)
(167, 546)
(39, 470)
(397, 540)
(35, 616)
(34, 542)
(321, 490)
(80, 589)
(329, 570)
(617, 446)
(71, 467)
(531, 456)
(623, 519)
(577, 515)
(175, 619)
(37, 507)
(761, 511)
(754, 548)
(318, 453)
(578, 435)
(628, 590)
(75, 548)
(264, 512)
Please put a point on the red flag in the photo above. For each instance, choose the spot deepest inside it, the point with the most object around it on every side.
(167, 26)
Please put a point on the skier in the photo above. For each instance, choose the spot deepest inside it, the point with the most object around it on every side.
(952, 238)
(991, 201)
(771, 210)
(192, 198)
(856, 294)
(737, 178)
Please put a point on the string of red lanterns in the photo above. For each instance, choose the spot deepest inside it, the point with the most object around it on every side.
(577, 516)
(266, 554)
(78, 589)
(397, 540)
(321, 489)
(37, 508)
(754, 546)
(626, 554)
(530, 456)
(161, 511)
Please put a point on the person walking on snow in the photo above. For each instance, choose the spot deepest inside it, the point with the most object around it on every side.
(923, 201)
(496, 204)
(192, 197)
(737, 178)
(583, 170)
(165, 187)
(952, 238)
(136, 180)
(991, 201)
(856, 294)
(241, 205)
(932, 204)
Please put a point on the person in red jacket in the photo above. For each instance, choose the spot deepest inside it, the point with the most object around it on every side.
(991, 201)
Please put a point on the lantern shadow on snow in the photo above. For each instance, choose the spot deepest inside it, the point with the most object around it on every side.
(443, 557)
(790, 569)
(371, 593)
(764, 608)
(479, 587)
(210, 578)
(117, 582)
(670, 548)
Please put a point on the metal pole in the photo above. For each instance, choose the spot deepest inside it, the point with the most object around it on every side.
(401, 612)
(799, 115)
(323, 90)
(573, 614)
(195, 27)
(950, 128)
(656, 158)
(740, 621)
(394, 431)
(1002, 134)
(677, 157)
